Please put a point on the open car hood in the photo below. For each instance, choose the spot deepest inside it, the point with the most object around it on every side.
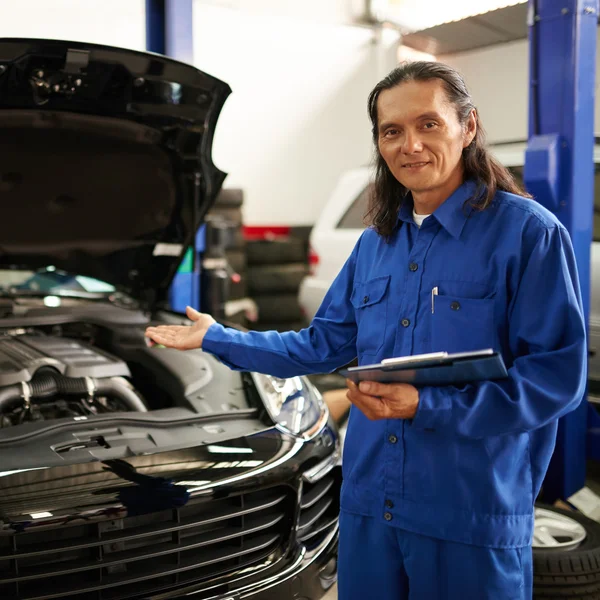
(105, 161)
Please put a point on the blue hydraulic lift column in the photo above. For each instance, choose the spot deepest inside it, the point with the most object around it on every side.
(559, 171)
(169, 31)
(170, 28)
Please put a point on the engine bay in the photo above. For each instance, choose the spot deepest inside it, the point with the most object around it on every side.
(48, 377)
(99, 362)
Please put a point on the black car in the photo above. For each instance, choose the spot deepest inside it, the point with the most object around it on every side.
(127, 470)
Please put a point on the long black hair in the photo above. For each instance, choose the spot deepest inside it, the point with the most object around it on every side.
(479, 165)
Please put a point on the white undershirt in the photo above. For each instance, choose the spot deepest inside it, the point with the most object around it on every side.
(419, 218)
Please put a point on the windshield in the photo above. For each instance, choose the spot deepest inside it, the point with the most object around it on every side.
(50, 281)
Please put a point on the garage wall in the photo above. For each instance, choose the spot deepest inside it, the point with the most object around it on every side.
(334, 12)
(498, 78)
(297, 116)
(112, 22)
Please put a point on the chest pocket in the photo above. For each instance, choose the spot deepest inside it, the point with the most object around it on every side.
(370, 302)
(463, 318)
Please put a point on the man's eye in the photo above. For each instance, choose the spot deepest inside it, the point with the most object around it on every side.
(430, 125)
(390, 132)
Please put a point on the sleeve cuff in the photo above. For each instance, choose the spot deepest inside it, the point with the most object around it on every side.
(434, 408)
(217, 341)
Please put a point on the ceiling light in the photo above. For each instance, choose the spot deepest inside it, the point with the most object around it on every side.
(416, 15)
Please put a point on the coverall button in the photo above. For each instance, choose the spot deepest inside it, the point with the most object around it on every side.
(405, 322)
(387, 516)
(413, 267)
(389, 504)
(392, 439)
(455, 305)
(365, 299)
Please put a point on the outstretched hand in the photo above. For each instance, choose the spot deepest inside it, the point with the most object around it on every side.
(182, 337)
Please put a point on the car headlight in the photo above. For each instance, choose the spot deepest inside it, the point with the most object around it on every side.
(294, 404)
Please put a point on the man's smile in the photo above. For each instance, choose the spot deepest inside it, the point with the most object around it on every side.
(415, 165)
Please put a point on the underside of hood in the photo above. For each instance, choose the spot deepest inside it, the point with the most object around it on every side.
(105, 161)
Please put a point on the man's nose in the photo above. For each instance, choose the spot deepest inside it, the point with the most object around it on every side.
(411, 143)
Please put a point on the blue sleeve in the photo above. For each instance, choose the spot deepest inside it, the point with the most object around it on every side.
(329, 342)
(547, 337)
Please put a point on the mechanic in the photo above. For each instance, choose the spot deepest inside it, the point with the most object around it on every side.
(439, 483)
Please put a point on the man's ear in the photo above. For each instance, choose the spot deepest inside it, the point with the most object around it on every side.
(470, 128)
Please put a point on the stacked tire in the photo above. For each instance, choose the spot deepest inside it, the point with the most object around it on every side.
(275, 270)
(228, 208)
(569, 572)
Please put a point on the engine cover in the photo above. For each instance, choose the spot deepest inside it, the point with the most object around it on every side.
(21, 356)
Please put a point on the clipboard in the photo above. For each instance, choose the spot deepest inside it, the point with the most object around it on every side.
(438, 368)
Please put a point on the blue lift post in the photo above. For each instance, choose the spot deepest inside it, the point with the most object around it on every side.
(559, 172)
(169, 31)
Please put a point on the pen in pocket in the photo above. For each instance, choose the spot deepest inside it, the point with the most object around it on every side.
(434, 293)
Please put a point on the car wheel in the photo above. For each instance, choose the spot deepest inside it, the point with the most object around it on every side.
(566, 555)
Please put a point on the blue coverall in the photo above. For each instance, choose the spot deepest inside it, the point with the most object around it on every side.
(441, 506)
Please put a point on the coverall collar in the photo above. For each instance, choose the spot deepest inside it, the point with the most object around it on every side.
(452, 214)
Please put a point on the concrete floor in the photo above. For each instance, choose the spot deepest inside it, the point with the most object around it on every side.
(331, 594)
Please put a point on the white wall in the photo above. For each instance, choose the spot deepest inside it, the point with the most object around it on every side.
(113, 22)
(336, 12)
(297, 116)
(498, 78)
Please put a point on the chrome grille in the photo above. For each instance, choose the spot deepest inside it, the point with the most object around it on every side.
(320, 507)
(134, 556)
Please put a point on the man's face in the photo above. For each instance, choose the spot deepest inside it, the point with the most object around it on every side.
(420, 137)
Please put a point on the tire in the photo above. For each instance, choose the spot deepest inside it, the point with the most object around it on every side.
(570, 573)
(237, 319)
(238, 242)
(237, 291)
(280, 308)
(276, 252)
(237, 261)
(585, 592)
(229, 198)
(232, 215)
(270, 279)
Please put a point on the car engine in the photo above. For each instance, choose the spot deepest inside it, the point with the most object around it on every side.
(50, 377)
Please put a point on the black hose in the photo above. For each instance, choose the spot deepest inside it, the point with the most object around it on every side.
(42, 386)
(52, 383)
(71, 386)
